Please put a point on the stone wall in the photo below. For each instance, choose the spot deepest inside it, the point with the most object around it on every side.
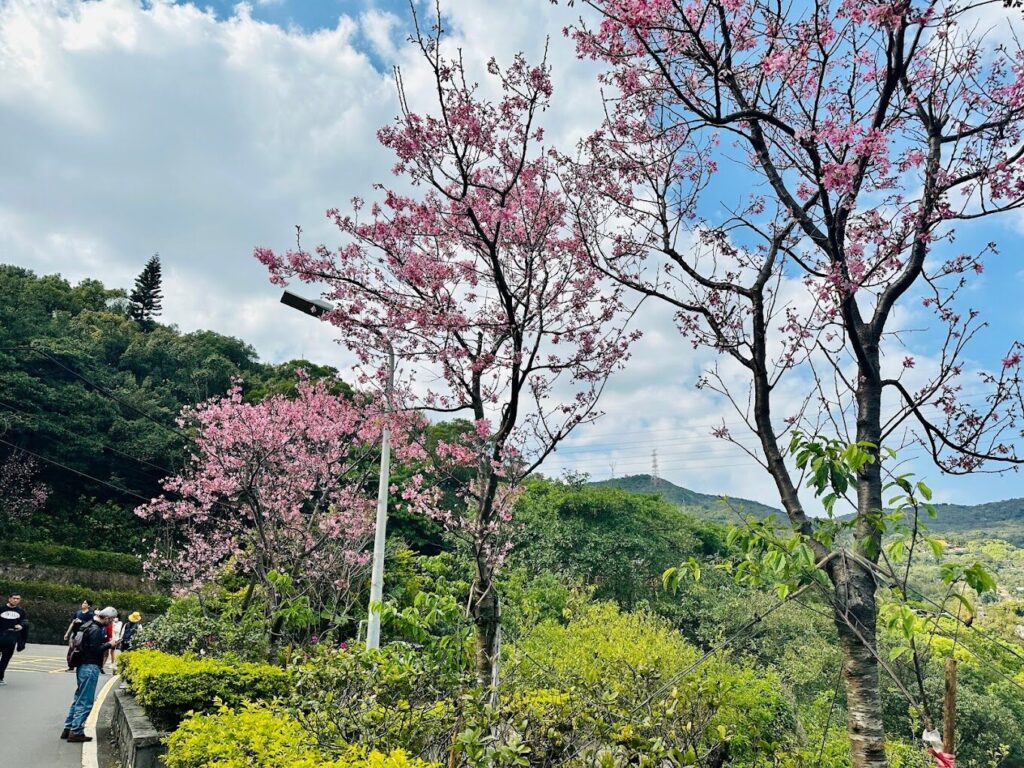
(139, 744)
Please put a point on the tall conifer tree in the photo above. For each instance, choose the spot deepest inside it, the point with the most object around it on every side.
(144, 302)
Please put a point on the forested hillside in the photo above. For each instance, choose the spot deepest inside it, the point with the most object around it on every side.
(91, 396)
(723, 508)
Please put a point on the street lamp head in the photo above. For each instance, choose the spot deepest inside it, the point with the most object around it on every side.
(314, 307)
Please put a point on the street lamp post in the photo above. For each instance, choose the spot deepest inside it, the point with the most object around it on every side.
(380, 529)
(317, 308)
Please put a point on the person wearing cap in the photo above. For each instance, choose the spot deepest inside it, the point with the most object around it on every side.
(94, 646)
(128, 630)
(13, 631)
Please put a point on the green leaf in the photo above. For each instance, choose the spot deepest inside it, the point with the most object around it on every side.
(670, 580)
(964, 602)
(924, 490)
(898, 651)
(979, 579)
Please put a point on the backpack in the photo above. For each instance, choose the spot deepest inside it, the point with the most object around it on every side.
(75, 647)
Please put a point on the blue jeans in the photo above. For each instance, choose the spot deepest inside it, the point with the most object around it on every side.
(85, 694)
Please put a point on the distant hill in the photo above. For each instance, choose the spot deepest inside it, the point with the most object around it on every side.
(700, 504)
(993, 520)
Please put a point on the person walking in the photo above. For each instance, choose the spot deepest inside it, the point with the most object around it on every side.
(13, 632)
(82, 616)
(88, 657)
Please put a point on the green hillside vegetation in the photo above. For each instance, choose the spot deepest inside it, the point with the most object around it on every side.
(993, 520)
(997, 520)
(721, 508)
(85, 386)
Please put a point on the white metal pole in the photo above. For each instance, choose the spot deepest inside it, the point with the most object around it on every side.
(380, 531)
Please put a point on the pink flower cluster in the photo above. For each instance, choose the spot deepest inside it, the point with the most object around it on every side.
(280, 485)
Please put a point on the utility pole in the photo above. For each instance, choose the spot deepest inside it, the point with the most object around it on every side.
(654, 468)
(317, 308)
(380, 529)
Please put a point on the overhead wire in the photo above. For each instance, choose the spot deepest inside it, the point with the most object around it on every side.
(99, 388)
(831, 710)
(86, 475)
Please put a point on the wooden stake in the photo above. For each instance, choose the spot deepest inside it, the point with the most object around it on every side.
(949, 707)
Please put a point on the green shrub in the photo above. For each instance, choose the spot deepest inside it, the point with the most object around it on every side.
(215, 626)
(257, 737)
(388, 698)
(169, 687)
(72, 594)
(611, 665)
(41, 553)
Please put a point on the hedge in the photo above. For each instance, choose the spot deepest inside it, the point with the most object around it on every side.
(41, 553)
(50, 606)
(169, 687)
(256, 737)
(72, 595)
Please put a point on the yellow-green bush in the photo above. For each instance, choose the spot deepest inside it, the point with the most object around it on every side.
(169, 686)
(258, 737)
(614, 665)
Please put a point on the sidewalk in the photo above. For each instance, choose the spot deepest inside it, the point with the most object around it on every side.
(33, 706)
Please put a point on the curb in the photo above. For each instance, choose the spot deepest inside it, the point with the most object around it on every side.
(89, 754)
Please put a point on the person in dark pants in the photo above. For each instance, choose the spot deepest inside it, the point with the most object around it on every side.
(89, 660)
(13, 632)
(83, 615)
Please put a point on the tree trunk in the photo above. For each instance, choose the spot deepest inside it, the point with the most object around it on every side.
(855, 618)
(487, 618)
(856, 612)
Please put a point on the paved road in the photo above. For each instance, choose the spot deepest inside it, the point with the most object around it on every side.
(33, 705)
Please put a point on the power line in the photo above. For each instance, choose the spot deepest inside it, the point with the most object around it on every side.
(99, 388)
(103, 445)
(73, 470)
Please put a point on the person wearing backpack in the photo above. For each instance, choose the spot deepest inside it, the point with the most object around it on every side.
(88, 647)
(13, 631)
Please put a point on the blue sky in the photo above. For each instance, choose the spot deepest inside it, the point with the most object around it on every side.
(131, 129)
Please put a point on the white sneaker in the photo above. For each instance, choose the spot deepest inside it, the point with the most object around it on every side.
(3, 682)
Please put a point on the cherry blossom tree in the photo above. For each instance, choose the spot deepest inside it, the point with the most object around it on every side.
(477, 277)
(20, 494)
(848, 142)
(284, 489)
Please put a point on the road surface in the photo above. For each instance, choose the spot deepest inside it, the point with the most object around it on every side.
(33, 706)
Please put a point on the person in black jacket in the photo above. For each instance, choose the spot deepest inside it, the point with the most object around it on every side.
(13, 632)
(90, 658)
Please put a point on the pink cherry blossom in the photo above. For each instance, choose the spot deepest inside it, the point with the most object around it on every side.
(473, 268)
(280, 487)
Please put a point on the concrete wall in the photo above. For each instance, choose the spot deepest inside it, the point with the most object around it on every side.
(139, 744)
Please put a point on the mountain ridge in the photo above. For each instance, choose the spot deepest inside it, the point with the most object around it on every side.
(990, 520)
(713, 506)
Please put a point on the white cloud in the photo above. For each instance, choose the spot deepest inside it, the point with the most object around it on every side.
(380, 29)
(129, 130)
